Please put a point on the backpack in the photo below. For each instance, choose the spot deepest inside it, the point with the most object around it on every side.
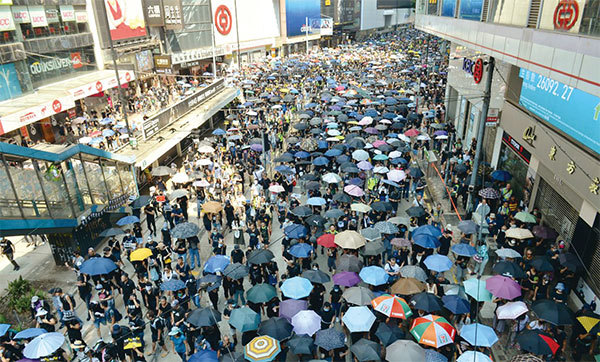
(118, 316)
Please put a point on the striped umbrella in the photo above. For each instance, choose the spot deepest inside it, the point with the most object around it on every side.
(263, 348)
(392, 306)
(432, 330)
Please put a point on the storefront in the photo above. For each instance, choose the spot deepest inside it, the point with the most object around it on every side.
(515, 159)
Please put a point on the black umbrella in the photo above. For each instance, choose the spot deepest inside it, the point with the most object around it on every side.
(544, 232)
(329, 339)
(111, 232)
(235, 271)
(316, 220)
(460, 169)
(260, 256)
(209, 282)
(185, 230)
(365, 350)
(537, 342)
(316, 276)
(286, 157)
(342, 197)
(309, 177)
(276, 327)
(382, 206)
(552, 312)
(301, 126)
(416, 211)
(374, 247)
(334, 213)
(348, 262)
(302, 211)
(541, 263)
(570, 261)
(312, 185)
(140, 202)
(302, 344)
(509, 268)
(427, 301)
(388, 333)
(415, 172)
(204, 317)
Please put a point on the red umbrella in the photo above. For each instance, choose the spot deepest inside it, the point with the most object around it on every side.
(412, 133)
(327, 240)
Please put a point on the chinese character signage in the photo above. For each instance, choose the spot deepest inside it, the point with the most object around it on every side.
(154, 13)
(173, 14)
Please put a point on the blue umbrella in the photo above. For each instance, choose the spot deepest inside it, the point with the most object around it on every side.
(456, 304)
(390, 182)
(284, 169)
(295, 231)
(172, 285)
(302, 154)
(244, 319)
(296, 288)
(316, 201)
(374, 275)
(128, 220)
(204, 355)
(29, 333)
(320, 161)
(426, 241)
(218, 132)
(216, 263)
(464, 250)
(108, 133)
(501, 175)
(301, 250)
(433, 356)
(4, 328)
(334, 152)
(358, 319)
(478, 335)
(437, 262)
(97, 266)
(106, 121)
(329, 339)
(428, 230)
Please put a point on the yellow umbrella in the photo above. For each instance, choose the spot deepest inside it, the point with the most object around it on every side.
(140, 254)
(284, 90)
(263, 348)
(350, 239)
(131, 343)
(588, 322)
(212, 207)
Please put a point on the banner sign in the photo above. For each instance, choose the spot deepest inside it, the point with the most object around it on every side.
(37, 14)
(125, 19)
(98, 86)
(296, 13)
(20, 14)
(573, 111)
(154, 13)
(471, 9)
(33, 114)
(326, 26)
(6, 19)
(171, 114)
(173, 13)
(81, 16)
(67, 13)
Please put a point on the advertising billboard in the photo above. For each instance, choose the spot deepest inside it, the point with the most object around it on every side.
(448, 8)
(6, 19)
(574, 112)
(396, 4)
(11, 87)
(471, 9)
(125, 19)
(173, 14)
(296, 13)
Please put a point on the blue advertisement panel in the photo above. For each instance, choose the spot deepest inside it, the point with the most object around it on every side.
(448, 8)
(10, 87)
(296, 13)
(471, 9)
(569, 109)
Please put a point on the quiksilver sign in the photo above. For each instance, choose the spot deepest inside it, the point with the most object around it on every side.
(49, 65)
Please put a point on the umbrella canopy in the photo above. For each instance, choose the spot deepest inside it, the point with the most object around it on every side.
(350, 239)
(296, 288)
(301, 344)
(346, 279)
(236, 271)
(327, 240)
(400, 242)
(216, 263)
(432, 330)
(212, 207)
(438, 262)
(552, 312)
(329, 339)
(489, 193)
(260, 256)
(404, 350)
(140, 202)
(185, 230)
(306, 322)
(468, 227)
(416, 211)
(428, 302)
(111, 232)
(204, 355)
(386, 227)
(172, 285)
(301, 250)
(413, 271)
(463, 249)
(371, 233)
(44, 345)
(348, 262)
(358, 319)
(331, 178)
(456, 304)
(501, 175)
(262, 349)
(388, 333)
(302, 211)
(537, 342)
(354, 190)
(475, 288)
(289, 307)
(97, 266)
(316, 276)
(503, 287)
(511, 310)
(295, 231)
(526, 217)
(276, 327)
(162, 171)
(140, 254)
(244, 319)
(518, 233)
(479, 335)
(358, 296)
(375, 247)
(360, 207)
(29, 333)
(374, 275)
(544, 232)
(426, 241)
(127, 220)
(433, 356)
(508, 253)
(473, 356)
(204, 317)
(179, 193)
(407, 286)
(508, 268)
(365, 350)
(392, 306)
(261, 293)
(428, 230)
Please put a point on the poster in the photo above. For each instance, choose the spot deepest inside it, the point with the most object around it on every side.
(296, 13)
(6, 19)
(67, 12)
(10, 87)
(125, 19)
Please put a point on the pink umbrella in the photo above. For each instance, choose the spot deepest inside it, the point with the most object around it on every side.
(371, 130)
(365, 121)
(396, 175)
(95, 134)
(412, 133)
(354, 190)
(346, 279)
(379, 143)
(340, 88)
(503, 287)
(365, 165)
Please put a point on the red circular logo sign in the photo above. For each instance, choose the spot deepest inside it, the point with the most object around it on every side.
(56, 106)
(566, 14)
(223, 19)
(478, 71)
(127, 76)
(99, 86)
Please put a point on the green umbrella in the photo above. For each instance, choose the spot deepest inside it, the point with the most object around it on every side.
(244, 319)
(262, 293)
(475, 287)
(526, 217)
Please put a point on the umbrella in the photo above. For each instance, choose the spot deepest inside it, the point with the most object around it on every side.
(354, 190)
(479, 335)
(360, 155)
(302, 211)
(326, 240)
(346, 279)
(289, 307)
(473, 356)
(360, 207)
(432, 330)
(433, 356)
(235, 271)
(244, 319)
(475, 288)
(552, 312)
(570, 261)
(401, 242)
(261, 293)
(456, 304)
(316, 276)
(413, 271)
(501, 175)
(301, 250)
(276, 327)
(358, 296)
(178, 193)
(348, 262)
(350, 239)
(295, 231)
(111, 232)
(537, 342)
(371, 233)
(392, 306)
(306, 322)
(589, 321)
(468, 227)
(260, 256)
(503, 287)
(489, 193)
(204, 355)
(508, 253)
(386, 227)
(127, 220)
(365, 350)
(329, 339)
(438, 262)
(262, 349)
(29, 333)
(331, 178)
(388, 333)
(296, 288)
(382, 206)
(301, 344)
(185, 230)
(204, 317)
(463, 250)
(140, 254)
(216, 263)
(526, 357)
(341, 197)
(139, 203)
(404, 350)
(426, 241)
(374, 275)
(97, 266)
(416, 211)
(316, 201)
(172, 285)
(212, 207)
(276, 188)
(334, 213)
(358, 319)
(544, 232)
(518, 233)
(407, 286)
(511, 310)
(426, 301)
(428, 230)
(526, 217)
(162, 171)
(44, 345)
(374, 247)
(509, 268)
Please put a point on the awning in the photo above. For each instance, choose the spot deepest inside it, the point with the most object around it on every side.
(56, 97)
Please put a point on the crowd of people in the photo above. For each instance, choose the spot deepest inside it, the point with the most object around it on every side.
(311, 208)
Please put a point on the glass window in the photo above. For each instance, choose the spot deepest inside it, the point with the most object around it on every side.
(81, 182)
(55, 189)
(94, 174)
(590, 20)
(112, 180)
(28, 189)
(127, 179)
(471, 9)
(8, 204)
(76, 197)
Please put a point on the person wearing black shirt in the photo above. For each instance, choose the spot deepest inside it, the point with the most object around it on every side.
(126, 287)
(220, 249)
(327, 315)
(194, 254)
(133, 307)
(150, 295)
(150, 218)
(119, 334)
(85, 289)
(237, 255)
(445, 241)
(8, 249)
(157, 329)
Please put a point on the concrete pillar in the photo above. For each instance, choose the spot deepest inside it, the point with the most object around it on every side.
(179, 152)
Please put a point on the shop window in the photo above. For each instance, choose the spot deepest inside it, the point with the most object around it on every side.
(590, 20)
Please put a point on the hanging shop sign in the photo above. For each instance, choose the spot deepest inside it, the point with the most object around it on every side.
(37, 15)
(173, 14)
(20, 14)
(52, 16)
(100, 85)
(81, 16)
(154, 13)
(475, 68)
(6, 19)
(67, 12)
(492, 117)
(516, 146)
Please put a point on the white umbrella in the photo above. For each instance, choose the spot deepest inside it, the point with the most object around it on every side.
(201, 183)
(473, 356)
(332, 139)
(333, 132)
(85, 140)
(395, 154)
(511, 310)
(206, 149)
(178, 193)
(276, 188)
(331, 178)
(423, 137)
(404, 350)
(252, 113)
(204, 162)
(44, 345)
(404, 138)
(360, 207)
(180, 178)
(441, 137)
(518, 233)
(381, 169)
(508, 253)
(360, 155)
(396, 175)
